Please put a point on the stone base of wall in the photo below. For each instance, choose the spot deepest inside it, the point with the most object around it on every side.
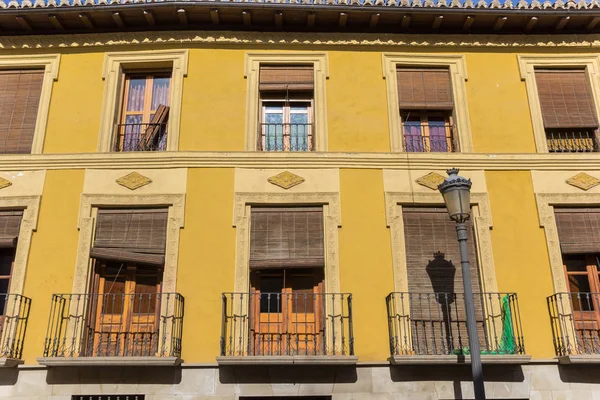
(381, 382)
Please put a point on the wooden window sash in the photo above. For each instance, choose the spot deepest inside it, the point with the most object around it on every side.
(424, 117)
(286, 118)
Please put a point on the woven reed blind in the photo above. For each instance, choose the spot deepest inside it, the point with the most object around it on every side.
(286, 237)
(10, 224)
(281, 78)
(566, 99)
(131, 235)
(578, 230)
(424, 89)
(20, 93)
(428, 231)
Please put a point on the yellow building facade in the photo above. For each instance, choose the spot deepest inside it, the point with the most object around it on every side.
(210, 331)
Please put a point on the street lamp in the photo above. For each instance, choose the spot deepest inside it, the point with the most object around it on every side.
(456, 191)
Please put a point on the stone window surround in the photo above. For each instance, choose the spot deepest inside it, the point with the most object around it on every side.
(482, 220)
(458, 75)
(50, 63)
(112, 72)
(252, 63)
(527, 65)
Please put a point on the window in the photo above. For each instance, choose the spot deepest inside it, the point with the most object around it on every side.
(568, 110)
(20, 93)
(287, 263)
(426, 105)
(144, 112)
(10, 224)
(286, 96)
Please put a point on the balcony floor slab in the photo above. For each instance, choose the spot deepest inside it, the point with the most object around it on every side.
(454, 359)
(579, 359)
(109, 361)
(287, 360)
(10, 362)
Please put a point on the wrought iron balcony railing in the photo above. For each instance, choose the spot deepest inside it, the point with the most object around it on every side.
(571, 140)
(141, 137)
(575, 320)
(13, 324)
(286, 137)
(435, 324)
(287, 324)
(429, 137)
(115, 325)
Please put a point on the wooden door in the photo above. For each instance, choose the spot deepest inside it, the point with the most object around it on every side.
(584, 286)
(125, 310)
(287, 310)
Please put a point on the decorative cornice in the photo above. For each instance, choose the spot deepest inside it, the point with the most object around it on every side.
(189, 159)
(225, 38)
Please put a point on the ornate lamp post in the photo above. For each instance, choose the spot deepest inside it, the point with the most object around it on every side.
(456, 191)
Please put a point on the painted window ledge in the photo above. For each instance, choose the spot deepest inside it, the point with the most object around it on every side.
(287, 360)
(455, 359)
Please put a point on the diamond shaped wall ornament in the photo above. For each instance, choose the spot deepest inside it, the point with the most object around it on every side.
(4, 183)
(286, 180)
(583, 181)
(431, 180)
(133, 181)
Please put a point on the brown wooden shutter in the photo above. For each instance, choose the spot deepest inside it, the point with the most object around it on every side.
(278, 78)
(20, 93)
(131, 235)
(578, 230)
(286, 237)
(566, 99)
(10, 224)
(424, 89)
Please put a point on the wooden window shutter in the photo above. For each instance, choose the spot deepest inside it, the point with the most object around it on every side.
(20, 93)
(428, 231)
(566, 99)
(578, 230)
(286, 237)
(131, 235)
(10, 224)
(283, 78)
(424, 89)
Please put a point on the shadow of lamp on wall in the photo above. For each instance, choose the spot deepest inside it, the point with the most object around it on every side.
(441, 274)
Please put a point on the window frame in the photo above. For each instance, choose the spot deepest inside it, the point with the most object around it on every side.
(527, 67)
(116, 65)
(286, 105)
(254, 99)
(457, 67)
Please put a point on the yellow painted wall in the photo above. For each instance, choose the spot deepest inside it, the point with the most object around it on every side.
(52, 256)
(365, 259)
(521, 256)
(206, 260)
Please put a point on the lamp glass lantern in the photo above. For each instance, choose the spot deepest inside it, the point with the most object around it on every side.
(456, 191)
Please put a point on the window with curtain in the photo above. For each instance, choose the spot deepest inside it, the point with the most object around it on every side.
(568, 110)
(425, 101)
(144, 112)
(20, 92)
(286, 95)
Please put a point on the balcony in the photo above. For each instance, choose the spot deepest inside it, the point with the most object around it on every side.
(575, 321)
(430, 328)
(13, 324)
(286, 137)
(571, 140)
(427, 137)
(114, 329)
(287, 328)
(141, 137)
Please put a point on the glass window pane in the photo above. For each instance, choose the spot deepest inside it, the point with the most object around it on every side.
(160, 92)
(7, 256)
(135, 98)
(270, 296)
(574, 264)
(273, 118)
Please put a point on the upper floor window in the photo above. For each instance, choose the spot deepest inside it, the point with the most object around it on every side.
(568, 110)
(144, 112)
(426, 109)
(286, 108)
(20, 92)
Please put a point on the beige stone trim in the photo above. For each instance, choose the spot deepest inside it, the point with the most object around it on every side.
(50, 63)
(482, 220)
(321, 70)
(111, 73)
(527, 64)
(458, 75)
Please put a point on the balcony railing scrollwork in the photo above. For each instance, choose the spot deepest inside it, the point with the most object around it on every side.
(429, 137)
(286, 137)
(576, 140)
(141, 137)
(13, 324)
